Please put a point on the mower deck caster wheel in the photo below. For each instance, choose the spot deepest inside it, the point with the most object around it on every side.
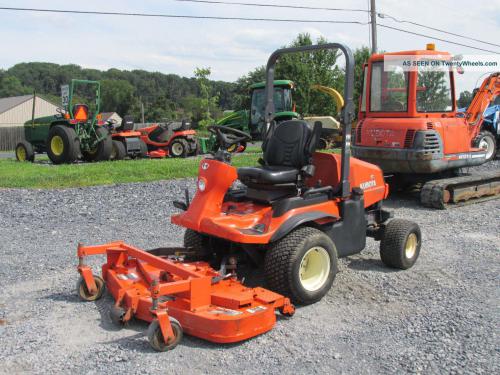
(155, 337)
(116, 314)
(287, 313)
(84, 293)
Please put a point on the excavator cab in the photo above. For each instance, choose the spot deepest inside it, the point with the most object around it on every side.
(409, 126)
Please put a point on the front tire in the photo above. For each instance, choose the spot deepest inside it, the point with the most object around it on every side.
(488, 142)
(118, 151)
(400, 245)
(302, 265)
(178, 148)
(101, 151)
(24, 152)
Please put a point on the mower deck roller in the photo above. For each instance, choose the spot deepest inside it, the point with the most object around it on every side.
(176, 296)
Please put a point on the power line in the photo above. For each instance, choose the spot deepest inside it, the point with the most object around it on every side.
(385, 15)
(436, 38)
(272, 5)
(159, 15)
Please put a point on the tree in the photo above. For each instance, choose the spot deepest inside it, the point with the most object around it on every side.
(464, 99)
(207, 101)
(11, 86)
(116, 96)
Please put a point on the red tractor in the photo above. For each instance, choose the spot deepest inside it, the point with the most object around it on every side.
(409, 126)
(174, 139)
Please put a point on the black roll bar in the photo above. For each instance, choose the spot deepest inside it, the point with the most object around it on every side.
(347, 114)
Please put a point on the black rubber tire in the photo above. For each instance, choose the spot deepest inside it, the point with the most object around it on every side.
(155, 337)
(283, 260)
(83, 292)
(393, 243)
(193, 239)
(322, 144)
(25, 152)
(70, 143)
(116, 315)
(102, 151)
(491, 140)
(144, 149)
(118, 151)
(185, 148)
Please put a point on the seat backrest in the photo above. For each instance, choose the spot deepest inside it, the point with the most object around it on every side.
(291, 144)
(127, 123)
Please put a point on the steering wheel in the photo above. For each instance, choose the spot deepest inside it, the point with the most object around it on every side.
(226, 136)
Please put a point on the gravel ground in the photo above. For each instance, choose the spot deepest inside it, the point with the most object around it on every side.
(439, 317)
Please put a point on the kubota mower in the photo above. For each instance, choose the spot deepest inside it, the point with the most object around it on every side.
(299, 210)
(174, 139)
(296, 214)
(126, 140)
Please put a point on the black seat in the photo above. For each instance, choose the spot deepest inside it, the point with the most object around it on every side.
(127, 123)
(287, 157)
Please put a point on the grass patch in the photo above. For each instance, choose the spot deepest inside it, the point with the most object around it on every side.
(47, 176)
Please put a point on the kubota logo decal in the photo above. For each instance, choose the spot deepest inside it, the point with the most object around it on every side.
(368, 184)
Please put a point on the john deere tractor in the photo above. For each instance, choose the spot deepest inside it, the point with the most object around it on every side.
(74, 133)
(252, 121)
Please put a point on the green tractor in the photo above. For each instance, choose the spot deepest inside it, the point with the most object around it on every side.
(76, 132)
(252, 121)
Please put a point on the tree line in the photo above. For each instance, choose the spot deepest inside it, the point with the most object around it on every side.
(169, 96)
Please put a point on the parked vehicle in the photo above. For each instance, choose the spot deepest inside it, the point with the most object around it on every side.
(74, 133)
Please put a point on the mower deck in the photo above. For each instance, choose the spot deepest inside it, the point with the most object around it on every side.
(157, 288)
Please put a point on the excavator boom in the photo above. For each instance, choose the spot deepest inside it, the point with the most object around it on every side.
(486, 94)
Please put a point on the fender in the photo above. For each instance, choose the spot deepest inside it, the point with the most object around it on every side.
(297, 220)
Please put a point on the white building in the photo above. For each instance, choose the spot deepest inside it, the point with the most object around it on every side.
(15, 111)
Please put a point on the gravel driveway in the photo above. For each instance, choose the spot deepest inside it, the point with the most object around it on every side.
(442, 316)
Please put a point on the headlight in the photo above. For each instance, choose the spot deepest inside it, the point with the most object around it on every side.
(202, 185)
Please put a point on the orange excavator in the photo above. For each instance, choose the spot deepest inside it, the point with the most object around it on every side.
(409, 126)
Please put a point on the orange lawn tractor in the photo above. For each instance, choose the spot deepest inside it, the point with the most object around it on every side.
(410, 127)
(295, 214)
(173, 139)
(126, 140)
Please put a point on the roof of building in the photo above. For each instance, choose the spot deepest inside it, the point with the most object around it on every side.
(14, 101)
(107, 115)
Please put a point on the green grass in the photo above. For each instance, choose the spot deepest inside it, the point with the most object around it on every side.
(43, 175)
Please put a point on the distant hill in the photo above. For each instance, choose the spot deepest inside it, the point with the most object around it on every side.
(163, 95)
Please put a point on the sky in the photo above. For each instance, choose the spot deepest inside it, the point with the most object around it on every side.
(229, 48)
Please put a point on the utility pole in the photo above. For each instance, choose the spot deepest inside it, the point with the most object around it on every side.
(373, 16)
(142, 112)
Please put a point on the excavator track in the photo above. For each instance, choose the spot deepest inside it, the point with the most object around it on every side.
(458, 191)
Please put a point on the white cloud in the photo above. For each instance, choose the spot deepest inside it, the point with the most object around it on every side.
(230, 48)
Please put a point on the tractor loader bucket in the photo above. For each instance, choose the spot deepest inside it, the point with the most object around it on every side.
(177, 296)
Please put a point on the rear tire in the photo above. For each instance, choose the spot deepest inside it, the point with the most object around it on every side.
(400, 245)
(118, 151)
(487, 141)
(302, 265)
(178, 148)
(61, 144)
(24, 151)
(102, 151)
